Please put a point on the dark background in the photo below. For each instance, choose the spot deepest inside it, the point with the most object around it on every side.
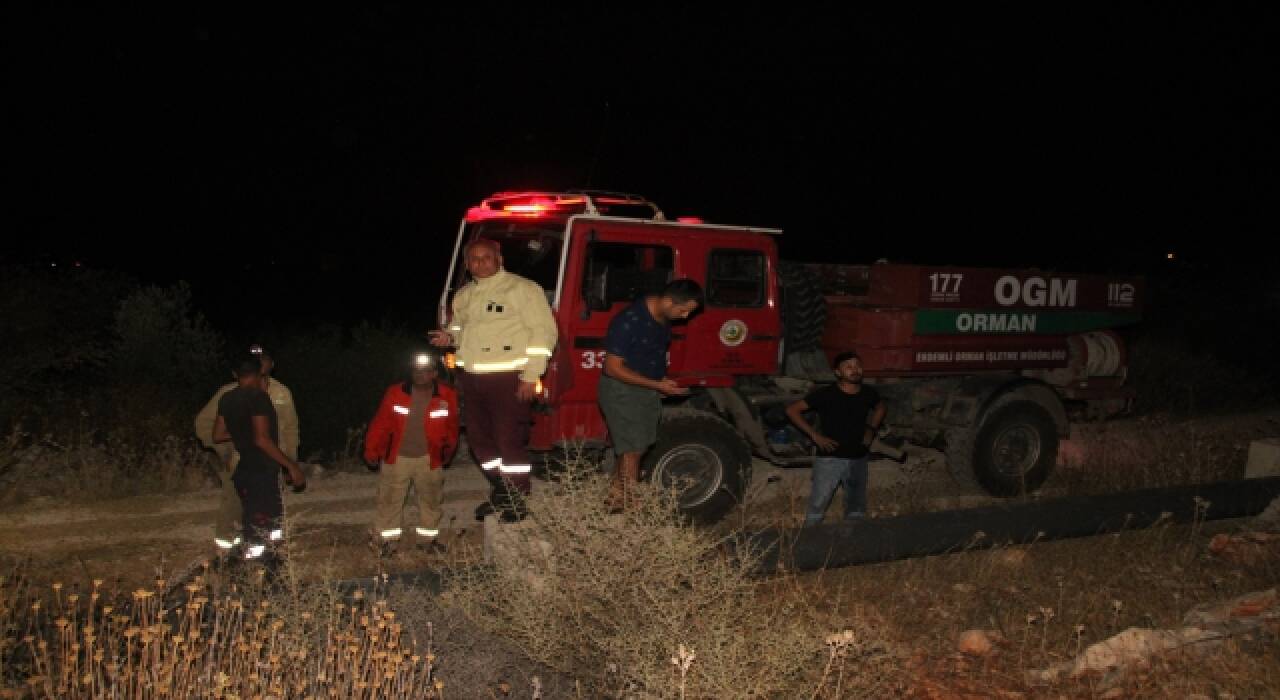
(321, 159)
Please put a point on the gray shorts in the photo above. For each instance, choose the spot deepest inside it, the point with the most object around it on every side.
(631, 412)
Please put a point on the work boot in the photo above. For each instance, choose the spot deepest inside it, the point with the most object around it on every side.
(513, 515)
(498, 495)
(498, 499)
(227, 560)
(235, 551)
(514, 507)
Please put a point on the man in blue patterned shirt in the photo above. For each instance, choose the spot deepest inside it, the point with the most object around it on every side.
(634, 379)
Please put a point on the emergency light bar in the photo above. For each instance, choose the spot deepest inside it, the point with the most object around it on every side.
(533, 205)
(526, 205)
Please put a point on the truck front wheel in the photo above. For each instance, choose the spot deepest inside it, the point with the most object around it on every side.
(703, 459)
(1010, 453)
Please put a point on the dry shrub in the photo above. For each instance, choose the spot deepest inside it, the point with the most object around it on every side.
(79, 466)
(642, 604)
(475, 663)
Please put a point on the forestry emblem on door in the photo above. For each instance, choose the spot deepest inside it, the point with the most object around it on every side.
(733, 333)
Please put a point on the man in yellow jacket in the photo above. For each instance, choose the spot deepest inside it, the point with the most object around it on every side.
(226, 524)
(504, 333)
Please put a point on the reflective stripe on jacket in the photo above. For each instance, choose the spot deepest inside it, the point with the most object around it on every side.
(501, 324)
(386, 430)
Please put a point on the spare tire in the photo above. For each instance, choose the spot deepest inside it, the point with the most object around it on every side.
(804, 311)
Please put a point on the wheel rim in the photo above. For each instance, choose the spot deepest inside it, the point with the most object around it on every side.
(695, 471)
(1015, 450)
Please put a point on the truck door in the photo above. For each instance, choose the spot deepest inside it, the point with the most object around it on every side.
(608, 269)
(737, 330)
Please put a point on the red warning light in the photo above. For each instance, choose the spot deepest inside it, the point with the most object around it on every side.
(507, 205)
(526, 208)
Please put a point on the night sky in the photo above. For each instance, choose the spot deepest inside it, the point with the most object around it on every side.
(332, 152)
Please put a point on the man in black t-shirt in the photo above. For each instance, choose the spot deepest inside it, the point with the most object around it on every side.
(247, 418)
(849, 414)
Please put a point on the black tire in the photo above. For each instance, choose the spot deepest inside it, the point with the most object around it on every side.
(804, 310)
(1009, 453)
(704, 455)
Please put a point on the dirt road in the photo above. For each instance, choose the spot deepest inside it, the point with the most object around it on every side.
(142, 537)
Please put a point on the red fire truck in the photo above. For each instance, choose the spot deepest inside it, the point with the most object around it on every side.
(990, 365)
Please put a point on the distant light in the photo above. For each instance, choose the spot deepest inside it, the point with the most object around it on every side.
(1169, 256)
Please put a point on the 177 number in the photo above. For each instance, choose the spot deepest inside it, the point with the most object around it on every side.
(946, 282)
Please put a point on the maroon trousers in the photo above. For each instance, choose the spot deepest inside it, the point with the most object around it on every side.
(497, 427)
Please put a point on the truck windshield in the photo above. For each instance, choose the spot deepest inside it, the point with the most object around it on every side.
(529, 249)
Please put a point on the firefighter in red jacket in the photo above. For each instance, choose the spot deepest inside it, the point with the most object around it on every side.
(411, 438)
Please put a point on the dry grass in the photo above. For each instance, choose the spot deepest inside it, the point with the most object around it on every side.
(641, 605)
(620, 631)
(1046, 601)
(218, 638)
(1154, 451)
(350, 458)
(78, 467)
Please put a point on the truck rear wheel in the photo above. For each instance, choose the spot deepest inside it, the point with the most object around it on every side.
(704, 459)
(1009, 453)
